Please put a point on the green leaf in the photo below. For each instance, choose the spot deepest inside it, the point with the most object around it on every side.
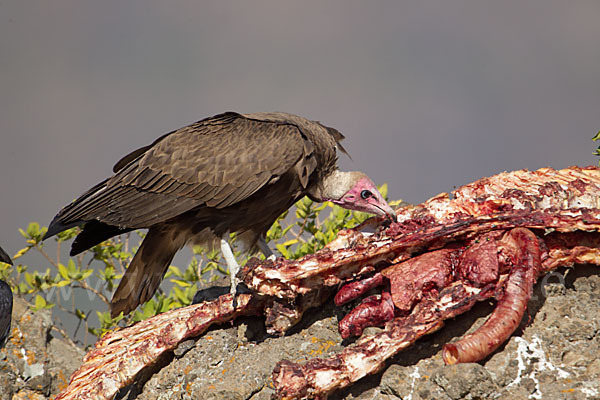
(180, 295)
(86, 273)
(40, 303)
(62, 270)
(383, 189)
(290, 242)
(29, 278)
(283, 250)
(23, 288)
(66, 235)
(287, 229)
(64, 283)
(71, 267)
(181, 283)
(21, 252)
(33, 229)
(173, 270)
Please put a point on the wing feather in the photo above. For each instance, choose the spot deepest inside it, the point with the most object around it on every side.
(215, 162)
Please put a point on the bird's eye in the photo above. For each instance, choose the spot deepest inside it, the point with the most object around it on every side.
(365, 194)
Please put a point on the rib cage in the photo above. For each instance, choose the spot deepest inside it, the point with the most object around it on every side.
(565, 200)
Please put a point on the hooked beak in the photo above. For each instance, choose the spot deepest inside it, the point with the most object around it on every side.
(365, 197)
(386, 210)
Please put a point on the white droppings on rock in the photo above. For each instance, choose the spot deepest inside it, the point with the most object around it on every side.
(414, 375)
(529, 352)
(589, 391)
(33, 370)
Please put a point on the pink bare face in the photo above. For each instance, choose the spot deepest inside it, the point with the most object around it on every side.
(365, 197)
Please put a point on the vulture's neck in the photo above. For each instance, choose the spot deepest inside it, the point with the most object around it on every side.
(335, 185)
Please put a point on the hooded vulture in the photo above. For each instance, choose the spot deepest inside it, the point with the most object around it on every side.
(6, 303)
(223, 174)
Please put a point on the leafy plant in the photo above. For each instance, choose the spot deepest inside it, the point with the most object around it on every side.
(595, 139)
(303, 229)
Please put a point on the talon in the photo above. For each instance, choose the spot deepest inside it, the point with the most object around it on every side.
(233, 290)
(233, 269)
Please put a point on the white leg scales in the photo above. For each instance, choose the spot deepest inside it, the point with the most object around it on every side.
(232, 264)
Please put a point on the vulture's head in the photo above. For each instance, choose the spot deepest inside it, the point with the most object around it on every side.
(355, 191)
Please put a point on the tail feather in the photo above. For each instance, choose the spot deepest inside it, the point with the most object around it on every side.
(146, 270)
(56, 226)
(73, 214)
(93, 233)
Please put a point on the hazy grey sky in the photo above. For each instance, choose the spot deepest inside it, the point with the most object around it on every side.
(430, 94)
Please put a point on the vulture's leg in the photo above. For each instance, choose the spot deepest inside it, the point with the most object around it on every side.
(264, 247)
(234, 267)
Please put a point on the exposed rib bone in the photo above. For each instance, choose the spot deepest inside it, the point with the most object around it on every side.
(566, 200)
(120, 355)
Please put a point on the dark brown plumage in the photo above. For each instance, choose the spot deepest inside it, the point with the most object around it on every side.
(5, 258)
(227, 173)
(6, 303)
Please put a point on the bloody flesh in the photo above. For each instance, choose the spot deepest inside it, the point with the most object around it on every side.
(501, 214)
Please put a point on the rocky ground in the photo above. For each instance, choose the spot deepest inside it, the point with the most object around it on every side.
(552, 356)
(34, 364)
